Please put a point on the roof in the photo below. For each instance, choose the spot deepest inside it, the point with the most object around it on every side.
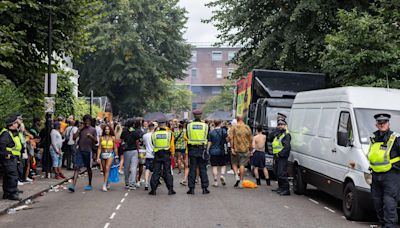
(359, 97)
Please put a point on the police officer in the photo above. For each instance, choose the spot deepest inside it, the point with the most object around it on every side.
(163, 142)
(384, 158)
(197, 133)
(10, 150)
(281, 150)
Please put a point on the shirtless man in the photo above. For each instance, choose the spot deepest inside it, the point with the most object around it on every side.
(258, 156)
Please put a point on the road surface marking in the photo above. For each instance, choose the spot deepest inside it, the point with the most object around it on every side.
(123, 199)
(314, 201)
(126, 194)
(112, 215)
(119, 205)
(286, 207)
(327, 208)
(106, 225)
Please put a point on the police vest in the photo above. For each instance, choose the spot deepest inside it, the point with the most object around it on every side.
(379, 154)
(16, 150)
(197, 133)
(161, 140)
(277, 145)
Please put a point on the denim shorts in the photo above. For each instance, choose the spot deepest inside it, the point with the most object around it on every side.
(56, 158)
(149, 164)
(83, 159)
(107, 155)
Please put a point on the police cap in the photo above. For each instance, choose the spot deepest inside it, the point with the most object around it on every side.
(382, 117)
(197, 112)
(162, 120)
(11, 119)
(281, 116)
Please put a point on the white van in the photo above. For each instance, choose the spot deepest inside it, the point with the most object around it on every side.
(331, 131)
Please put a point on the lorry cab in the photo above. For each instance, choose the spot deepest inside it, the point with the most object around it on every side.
(331, 132)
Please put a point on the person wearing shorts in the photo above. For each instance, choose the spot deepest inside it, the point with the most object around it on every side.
(241, 142)
(216, 149)
(55, 150)
(87, 139)
(258, 156)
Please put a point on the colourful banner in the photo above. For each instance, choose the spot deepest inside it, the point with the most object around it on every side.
(243, 95)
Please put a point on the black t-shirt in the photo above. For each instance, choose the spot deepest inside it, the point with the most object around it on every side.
(130, 136)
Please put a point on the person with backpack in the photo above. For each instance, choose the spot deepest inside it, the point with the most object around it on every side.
(216, 149)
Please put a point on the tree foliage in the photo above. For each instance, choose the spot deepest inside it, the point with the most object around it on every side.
(365, 50)
(138, 44)
(24, 40)
(282, 35)
(173, 99)
(221, 102)
(11, 101)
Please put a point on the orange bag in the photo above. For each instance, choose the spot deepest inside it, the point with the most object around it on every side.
(249, 184)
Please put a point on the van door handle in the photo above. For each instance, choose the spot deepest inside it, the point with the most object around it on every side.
(334, 150)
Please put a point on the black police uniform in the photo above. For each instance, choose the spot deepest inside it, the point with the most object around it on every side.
(385, 188)
(198, 159)
(9, 165)
(162, 167)
(281, 162)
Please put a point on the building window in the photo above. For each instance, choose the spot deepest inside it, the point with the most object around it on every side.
(230, 72)
(216, 90)
(194, 72)
(231, 55)
(216, 55)
(218, 72)
(194, 56)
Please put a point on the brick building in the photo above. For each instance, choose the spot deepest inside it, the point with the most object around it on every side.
(207, 72)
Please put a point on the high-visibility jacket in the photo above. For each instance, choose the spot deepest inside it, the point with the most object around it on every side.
(16, 150)
(197, 133)
(277, 145)
(379, 154)
(161, 140)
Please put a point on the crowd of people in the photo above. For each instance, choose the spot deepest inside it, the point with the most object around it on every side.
(141, 150)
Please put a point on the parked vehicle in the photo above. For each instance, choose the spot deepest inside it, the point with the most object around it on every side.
(265, 93)
(330, 132)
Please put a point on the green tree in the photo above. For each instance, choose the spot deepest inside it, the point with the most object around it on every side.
(11, 101)
(24, 40)
(173, 99)
(221, 102)
(282, 35)
(365, 50)
(65, 97)
(138, 44)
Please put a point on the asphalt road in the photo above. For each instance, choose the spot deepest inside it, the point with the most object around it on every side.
(224, 207)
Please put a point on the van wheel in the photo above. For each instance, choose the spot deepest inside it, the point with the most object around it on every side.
(351, 204)
(299, 186)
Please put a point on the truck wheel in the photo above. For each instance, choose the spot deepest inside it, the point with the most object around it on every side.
(351, 204)
(299, 186)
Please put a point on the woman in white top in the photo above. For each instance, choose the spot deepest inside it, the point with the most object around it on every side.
(55, 150)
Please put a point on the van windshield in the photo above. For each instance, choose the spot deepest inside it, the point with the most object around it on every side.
(366, 122)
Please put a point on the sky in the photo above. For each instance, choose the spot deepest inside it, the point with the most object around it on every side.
(198, 32)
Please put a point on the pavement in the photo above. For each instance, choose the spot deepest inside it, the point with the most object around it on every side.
(223, 207)
(32, 190)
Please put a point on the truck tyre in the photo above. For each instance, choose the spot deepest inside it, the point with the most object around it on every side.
(299, 186)
(351, 203)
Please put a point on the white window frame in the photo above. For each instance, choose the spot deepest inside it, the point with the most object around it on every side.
(218, 73)
(213, 53)
(231, 55)
(194, 57)
(191, 72)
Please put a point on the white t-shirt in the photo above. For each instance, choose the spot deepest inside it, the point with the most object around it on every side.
(70, 131)
(99, 132)
(148, 144)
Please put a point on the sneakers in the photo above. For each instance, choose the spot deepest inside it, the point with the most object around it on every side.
(240, 185)
(222, 178)
(121, 172)
(237, 181)
(104, 189)
(20, 183)
(215, 183)
(88, 188)
(61, 175)
(258, 181)
(28, 179)
(137, 185)
(71, 188)
(132, 187)
(146, 186)
(230, 172)
(205, 191)
(171, 192)
(126, 186)
(183, 182)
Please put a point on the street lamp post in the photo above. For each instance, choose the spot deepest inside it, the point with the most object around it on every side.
(46, 157)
